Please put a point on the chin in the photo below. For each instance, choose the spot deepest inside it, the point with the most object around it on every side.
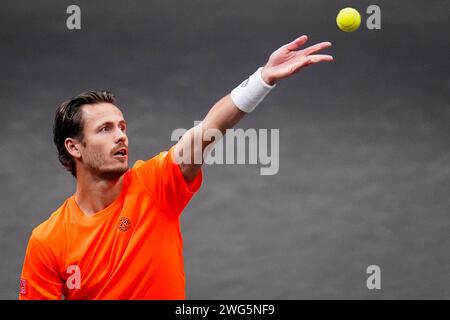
(115, 173)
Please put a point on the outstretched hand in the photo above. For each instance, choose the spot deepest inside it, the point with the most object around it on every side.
(287, 60)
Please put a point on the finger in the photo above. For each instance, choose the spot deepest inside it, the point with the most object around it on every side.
(316, 47)
(315, 58)
(294, 45)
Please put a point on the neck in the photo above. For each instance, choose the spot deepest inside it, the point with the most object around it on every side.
(94, 194)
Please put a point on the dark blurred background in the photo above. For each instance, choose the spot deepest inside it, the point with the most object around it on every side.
(364, 141)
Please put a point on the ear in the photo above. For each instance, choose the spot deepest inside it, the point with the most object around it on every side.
(73, 147)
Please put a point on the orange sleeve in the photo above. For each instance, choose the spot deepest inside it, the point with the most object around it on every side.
(163, 179)
(39, 280)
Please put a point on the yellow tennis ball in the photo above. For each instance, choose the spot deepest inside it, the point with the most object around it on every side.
(348, 19)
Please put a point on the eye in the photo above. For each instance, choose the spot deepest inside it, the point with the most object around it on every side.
(103, 129)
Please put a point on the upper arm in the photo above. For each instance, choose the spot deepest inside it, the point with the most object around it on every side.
(162, 177)
(40, 278)
(191, 148)
(190, 165)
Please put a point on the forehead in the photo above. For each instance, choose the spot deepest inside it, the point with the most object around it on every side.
(98, 113)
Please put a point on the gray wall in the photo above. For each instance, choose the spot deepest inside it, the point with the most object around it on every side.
(364, 141)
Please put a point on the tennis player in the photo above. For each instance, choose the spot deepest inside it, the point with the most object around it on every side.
(118, 236)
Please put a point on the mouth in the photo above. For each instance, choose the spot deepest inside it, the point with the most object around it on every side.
(122, 153)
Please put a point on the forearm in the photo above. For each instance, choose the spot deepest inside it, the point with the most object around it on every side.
(225, 114)
(222, 116)
(229, 110)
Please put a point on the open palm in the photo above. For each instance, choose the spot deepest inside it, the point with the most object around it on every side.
(287, 60)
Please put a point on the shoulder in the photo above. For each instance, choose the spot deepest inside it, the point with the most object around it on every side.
(151, 162)
(50, 232)
(152, 169)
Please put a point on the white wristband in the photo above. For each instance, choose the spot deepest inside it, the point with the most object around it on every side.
(251, 92)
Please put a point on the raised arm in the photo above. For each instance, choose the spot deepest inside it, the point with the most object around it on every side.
(228, 111)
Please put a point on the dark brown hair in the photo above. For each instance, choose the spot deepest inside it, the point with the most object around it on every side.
(69, 123)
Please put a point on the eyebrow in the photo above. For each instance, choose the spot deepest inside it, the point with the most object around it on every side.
(110, 123)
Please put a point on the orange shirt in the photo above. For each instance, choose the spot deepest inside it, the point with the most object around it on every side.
(132, 249)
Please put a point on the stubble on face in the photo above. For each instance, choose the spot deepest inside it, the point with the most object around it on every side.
(99, 161)
(96, 162)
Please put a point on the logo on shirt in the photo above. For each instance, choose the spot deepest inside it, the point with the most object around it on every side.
(124, 224)
(74, 280)
(23, 286)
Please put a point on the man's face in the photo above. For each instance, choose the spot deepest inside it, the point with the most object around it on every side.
(104, 150)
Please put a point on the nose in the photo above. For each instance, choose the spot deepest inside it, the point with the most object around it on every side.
(121, 136)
